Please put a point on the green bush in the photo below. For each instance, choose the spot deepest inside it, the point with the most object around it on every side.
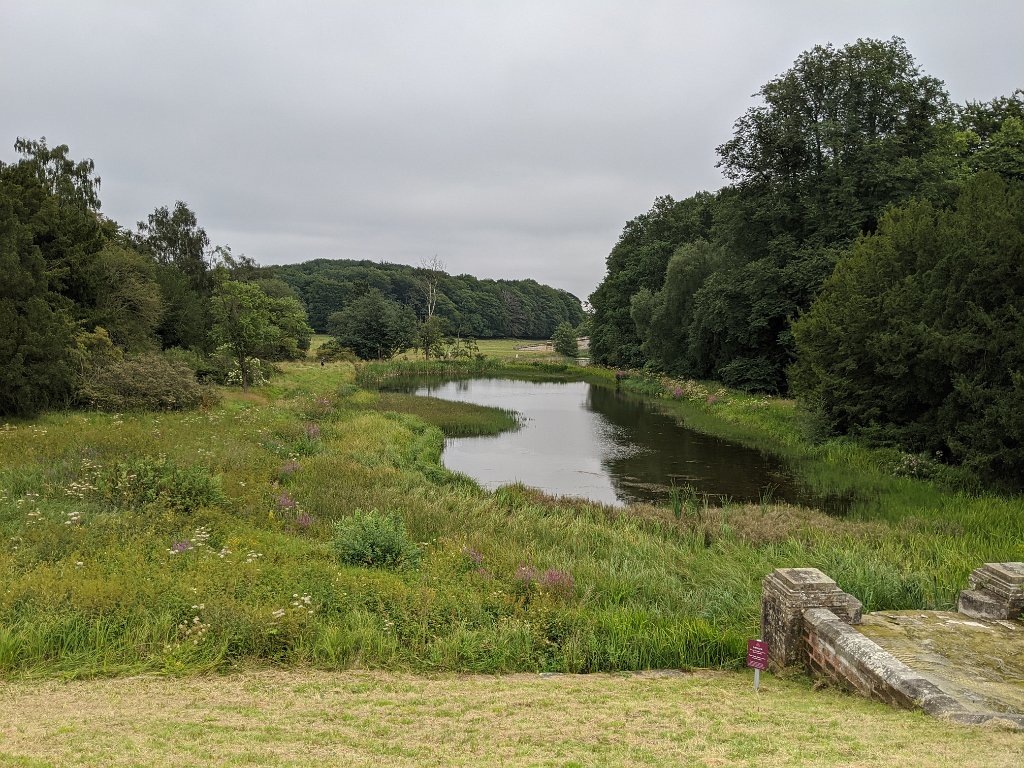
(148, 480)
(375, 540)
(333, 352)
(143, 382)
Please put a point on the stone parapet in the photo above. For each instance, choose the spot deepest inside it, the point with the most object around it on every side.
(786, 594)
(996, 592)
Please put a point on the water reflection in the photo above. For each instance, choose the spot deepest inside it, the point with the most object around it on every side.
(587, 440)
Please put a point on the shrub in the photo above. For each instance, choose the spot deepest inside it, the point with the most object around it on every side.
(375, 540)
(148, 480)
(332, 352)
(148, 381)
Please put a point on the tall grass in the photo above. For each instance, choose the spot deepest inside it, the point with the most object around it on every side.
(97, 583)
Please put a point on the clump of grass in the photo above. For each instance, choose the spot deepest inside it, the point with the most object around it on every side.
(375, 540)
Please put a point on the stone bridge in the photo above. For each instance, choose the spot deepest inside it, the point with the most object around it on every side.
(966, 666)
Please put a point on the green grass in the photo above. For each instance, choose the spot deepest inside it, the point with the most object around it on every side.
(194, 541)
(355, 718)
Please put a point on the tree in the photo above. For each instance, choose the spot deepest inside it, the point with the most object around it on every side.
(431, 332)
(431, 271)
(49, 234)
(252, 325)
(374, 327)
(917, 339)
(565, 341)
(175, 238)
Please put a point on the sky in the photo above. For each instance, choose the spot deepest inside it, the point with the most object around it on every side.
(508, 139)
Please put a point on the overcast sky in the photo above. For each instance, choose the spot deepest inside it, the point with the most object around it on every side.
(510, 139)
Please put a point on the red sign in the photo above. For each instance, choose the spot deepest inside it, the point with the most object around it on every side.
(757, 654)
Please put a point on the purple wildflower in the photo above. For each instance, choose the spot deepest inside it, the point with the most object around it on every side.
(558, 582)
(180, 547)
(620, 375)
(284, 501)
(303, 520)
(677, 393)
(312, 431)
(474, 556)
(712, 400)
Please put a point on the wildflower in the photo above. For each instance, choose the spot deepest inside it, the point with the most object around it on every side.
(526, 574)
(678, 393)
(284, 501)
(180, 547)
(303, 520)
(558, 582)
(475, 557)
(312, 430)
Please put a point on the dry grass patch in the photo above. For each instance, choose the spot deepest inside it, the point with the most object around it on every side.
(308, 718)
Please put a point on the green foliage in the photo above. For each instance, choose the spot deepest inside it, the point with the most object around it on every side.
(375, 540)
(918, 338)
(431, 333)
(564, 340)
(253, 325)
(147, 480)
(145, 381)
(333, 352)
(374, 327)
(467, 306)
(707, 287)
(49, 237)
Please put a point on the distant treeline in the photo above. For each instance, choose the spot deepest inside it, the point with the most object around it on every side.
(471, 307)
(868, 256)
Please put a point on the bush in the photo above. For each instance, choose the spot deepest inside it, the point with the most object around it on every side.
(143, 382)
(332, 352)
(148, 480)
(375, 540)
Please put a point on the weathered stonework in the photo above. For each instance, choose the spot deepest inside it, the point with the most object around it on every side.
(786, 594)
(806, 620)
(996, 592)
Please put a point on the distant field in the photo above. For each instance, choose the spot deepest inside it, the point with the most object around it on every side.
(359, 718)
(504, 349)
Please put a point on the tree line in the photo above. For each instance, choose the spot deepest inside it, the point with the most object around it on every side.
(468, 306)
(867, 256)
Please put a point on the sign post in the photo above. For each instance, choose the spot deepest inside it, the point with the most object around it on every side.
(757, 657)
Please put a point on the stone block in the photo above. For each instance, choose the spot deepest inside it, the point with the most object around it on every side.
(996, 592)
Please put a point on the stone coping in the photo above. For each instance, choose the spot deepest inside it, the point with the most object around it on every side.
(842, 653)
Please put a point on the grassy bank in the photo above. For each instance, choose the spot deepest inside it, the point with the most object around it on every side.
(371, 719)
(184, 542)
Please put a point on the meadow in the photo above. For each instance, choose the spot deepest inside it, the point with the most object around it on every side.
(185, 542)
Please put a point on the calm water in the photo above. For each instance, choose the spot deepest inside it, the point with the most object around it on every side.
(579, 439)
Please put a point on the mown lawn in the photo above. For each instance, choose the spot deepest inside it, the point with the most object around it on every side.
(314, 718)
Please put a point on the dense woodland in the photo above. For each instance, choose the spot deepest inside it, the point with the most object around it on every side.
(522, 309)
(99, 315)
(868, 257)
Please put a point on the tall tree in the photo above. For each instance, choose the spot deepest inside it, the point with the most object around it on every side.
(49, 234)
(252, 325)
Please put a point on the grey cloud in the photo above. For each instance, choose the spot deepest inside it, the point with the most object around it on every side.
(512, 139)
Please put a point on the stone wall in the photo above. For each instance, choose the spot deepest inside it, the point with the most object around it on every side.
(807, 621)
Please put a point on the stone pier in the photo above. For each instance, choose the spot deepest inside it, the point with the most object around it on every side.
(786, 594)
(996, 592)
